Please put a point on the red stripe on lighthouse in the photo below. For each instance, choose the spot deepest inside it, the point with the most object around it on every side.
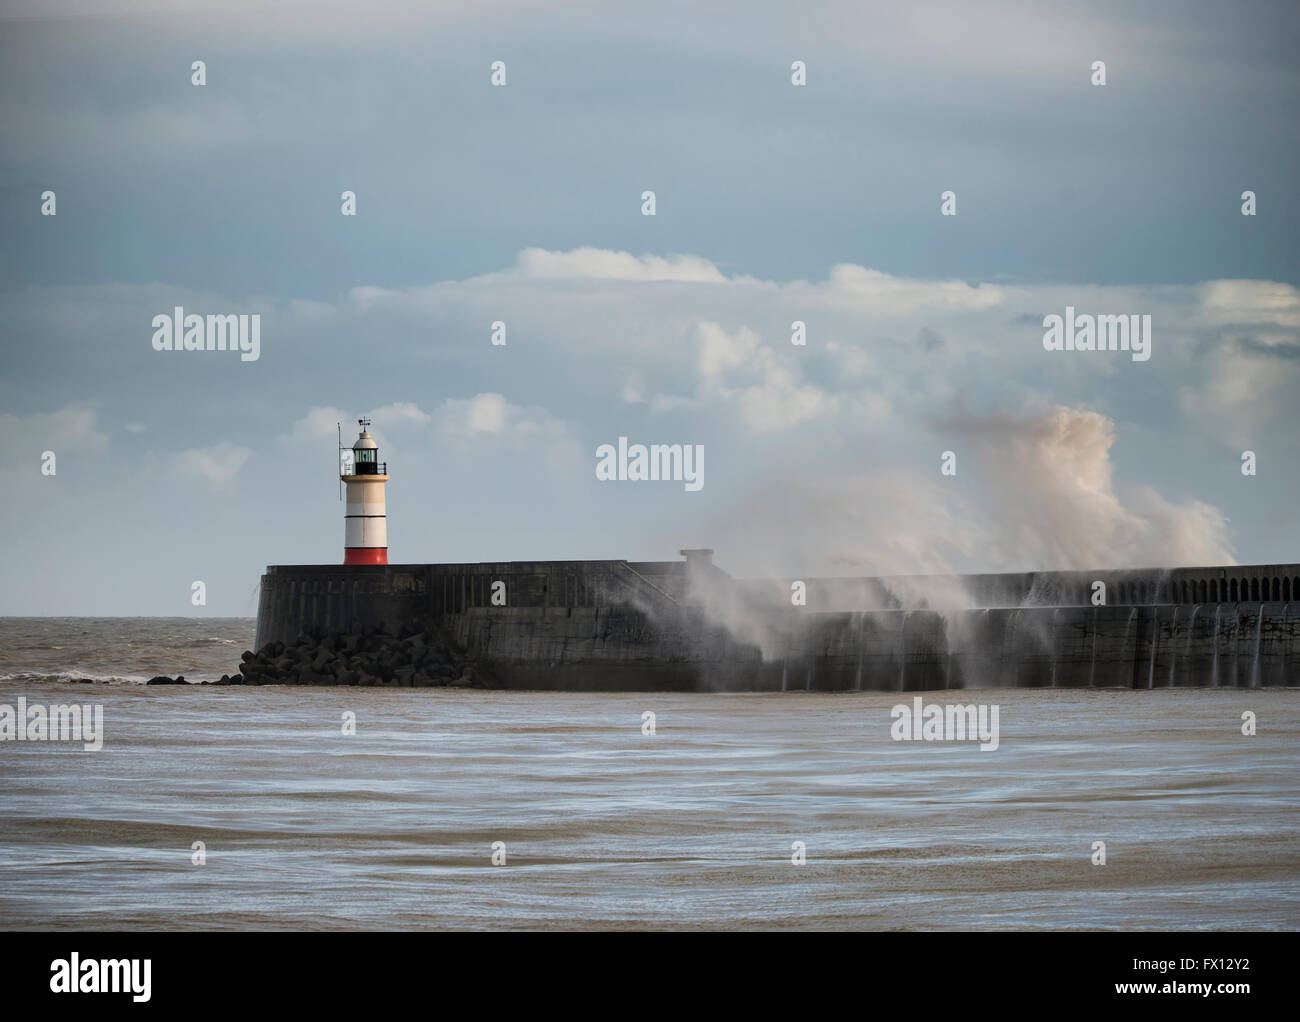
(365, 555)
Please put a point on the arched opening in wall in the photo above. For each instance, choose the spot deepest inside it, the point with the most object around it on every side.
(1232, 591)
(1295, 588)
(1286, 589)
(1182, 592)
(1119, 592)
(1277, 588)
(1206, 594)
(1254, 589)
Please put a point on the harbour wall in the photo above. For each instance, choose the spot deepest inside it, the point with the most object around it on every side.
(635, 626)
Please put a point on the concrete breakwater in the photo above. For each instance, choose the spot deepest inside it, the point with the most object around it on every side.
(629, 626)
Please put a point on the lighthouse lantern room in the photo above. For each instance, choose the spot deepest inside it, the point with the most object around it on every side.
(365, 531)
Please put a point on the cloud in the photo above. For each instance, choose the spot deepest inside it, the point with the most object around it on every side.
(483, 413)
(900, 296)
(71, 428)
(721, 351)
(401, 413)
(486, 414)
(317, 423)
(603, 264)
(880, 388)
(775, 399)
(491, 415)
(217, 465)
(1243, 394)
(368, 295)
(1250, 302)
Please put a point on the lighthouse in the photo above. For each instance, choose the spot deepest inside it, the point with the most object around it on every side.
(365, 523)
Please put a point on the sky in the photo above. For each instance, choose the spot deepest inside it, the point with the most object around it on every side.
(522, 204)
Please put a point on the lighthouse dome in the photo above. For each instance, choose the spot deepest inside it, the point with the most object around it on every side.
(365, 453)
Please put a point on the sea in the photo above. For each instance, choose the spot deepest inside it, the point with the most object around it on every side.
(274, 808)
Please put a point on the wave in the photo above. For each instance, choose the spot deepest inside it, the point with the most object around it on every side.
(76, 676)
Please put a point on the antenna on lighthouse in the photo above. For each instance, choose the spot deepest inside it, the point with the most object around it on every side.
(339, 426)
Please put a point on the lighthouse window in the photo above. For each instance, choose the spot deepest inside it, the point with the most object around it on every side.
(366, 456)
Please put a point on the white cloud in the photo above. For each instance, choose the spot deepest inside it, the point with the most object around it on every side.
(312, 312)
(603, 264)
(1250, 302)
(671, 354)
(317, 423)
(628, 351)
(721, 351)
(775, 398)
(484, 413)
(901, 296)
(217, 465)
(1244, 397)
(366, 295)
(780, 400)
(401, 413)
(489, 435)
(491, 415)
(71, 428)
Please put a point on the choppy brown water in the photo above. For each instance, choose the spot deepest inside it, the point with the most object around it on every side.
(604, 827)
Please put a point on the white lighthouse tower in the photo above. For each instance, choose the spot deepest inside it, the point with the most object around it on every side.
(365, 525)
